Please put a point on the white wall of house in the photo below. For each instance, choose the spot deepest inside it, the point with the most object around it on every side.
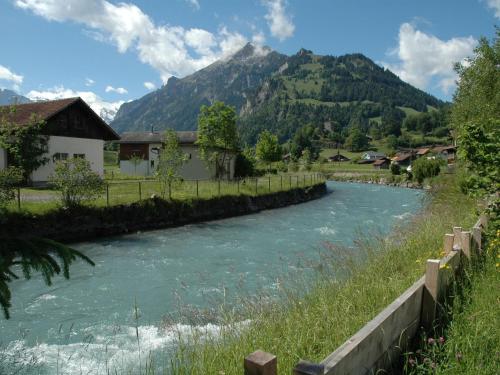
(140, 169)
(91, 148)
(3, 159)
(195, 168)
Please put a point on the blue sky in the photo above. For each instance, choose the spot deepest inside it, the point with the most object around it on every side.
(109, 52)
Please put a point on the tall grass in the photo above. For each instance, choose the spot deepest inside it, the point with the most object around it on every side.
(347, 294)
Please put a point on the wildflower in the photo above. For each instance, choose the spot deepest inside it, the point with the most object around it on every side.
(441, 340)
(431, 341)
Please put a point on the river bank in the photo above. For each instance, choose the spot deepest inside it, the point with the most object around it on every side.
(396, 181)
(87, 223)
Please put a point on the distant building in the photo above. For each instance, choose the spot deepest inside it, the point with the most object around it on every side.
(382, 163)
(338, 158)
(370, 156)
(445, 152)
(403, 159)
(140, 151)
(72, 129)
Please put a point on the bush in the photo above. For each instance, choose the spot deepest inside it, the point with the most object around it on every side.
(423, 168)
(395, 169)
(245, 164)
(9, 179)
(293, 166)
(76, 181)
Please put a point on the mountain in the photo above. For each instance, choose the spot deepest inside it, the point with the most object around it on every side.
(11, 97)
(281, 93)
(177, 103)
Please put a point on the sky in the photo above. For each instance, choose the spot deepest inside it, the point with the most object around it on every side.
(109, 52)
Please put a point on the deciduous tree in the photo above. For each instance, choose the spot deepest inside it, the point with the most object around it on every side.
(268, 149)
(170, 161)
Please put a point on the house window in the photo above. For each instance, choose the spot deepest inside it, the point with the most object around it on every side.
(59, 156)
(79, 156)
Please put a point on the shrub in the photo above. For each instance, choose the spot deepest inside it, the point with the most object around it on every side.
(395, 169)
(9, 179)
(76, 181)
(293, 166)
(245, 163)
(423, 168)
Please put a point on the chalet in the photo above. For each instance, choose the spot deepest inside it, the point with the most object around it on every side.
(140, 152)
(338, 157)
(422, 151)
(370, 156)
(72, 129)
(445, 152)
(382, 163)
(403, 159)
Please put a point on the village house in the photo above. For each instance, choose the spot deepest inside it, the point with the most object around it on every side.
(403, 159)
(338, 158)
(72, 129)
(446, 153)
(140, 152)
(370, 156)
(382, 163)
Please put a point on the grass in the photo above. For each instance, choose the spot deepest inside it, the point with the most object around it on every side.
(38, 201)
(341, 300)
(470, 344)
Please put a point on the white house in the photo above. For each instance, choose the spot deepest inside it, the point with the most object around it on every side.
(72, 129)
(140, 151)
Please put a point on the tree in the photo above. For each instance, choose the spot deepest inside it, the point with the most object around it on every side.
(217, 136)
(475, 116)
(268, 149)
(170, 161)
(25, 144)
(76, 181)
(395, 169)
(9, 179)
(423, 168)
(305, 138)
(245, 163)
(356, 141)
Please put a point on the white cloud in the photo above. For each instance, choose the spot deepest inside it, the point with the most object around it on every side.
(171, 50)
(280, 23)
(149, 85)
(118, 90)
(495, 5)
(105, 109)
(89, 82)
(194, 3)
(7, 75)
(424, 58)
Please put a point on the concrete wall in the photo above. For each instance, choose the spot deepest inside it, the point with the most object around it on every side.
(3, 159)
(91, 148)
(130, 169)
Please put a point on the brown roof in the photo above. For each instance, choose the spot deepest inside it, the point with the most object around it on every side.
(380, 161)
(423, 151)
(443, 148)
(401, 157)
(185, 137)
(23, 114)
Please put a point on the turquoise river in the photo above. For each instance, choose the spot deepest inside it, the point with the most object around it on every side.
(88, 325)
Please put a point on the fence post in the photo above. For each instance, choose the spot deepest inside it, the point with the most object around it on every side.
(297, 177)
(19, 198)
(308, 368)
(238, 185)
(431, 293)
(107, 195)
(218, 186)
(269, 183)
(197, 190)
(304, 180)
(477, 237)
(281, 182)
(457, 242)
(290, 182)
(256, 183)
(466, 240)
(448, 243)
(140, 191)
(261, 363)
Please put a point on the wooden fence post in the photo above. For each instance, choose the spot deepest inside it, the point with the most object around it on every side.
(269, 184)
(290, 182)
(218, 187)
(238, 185)
(261, 363)
(107, 195)
(448, 243)
(466, 241)
(431, 293)
(19, 198)
(308, 368)
(457, 244)
(140, 191)
(297, 177)
(281, 182)
(256, 185)
(477, 238)
(197, 189)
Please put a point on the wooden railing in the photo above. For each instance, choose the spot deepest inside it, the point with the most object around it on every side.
(380, 343)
